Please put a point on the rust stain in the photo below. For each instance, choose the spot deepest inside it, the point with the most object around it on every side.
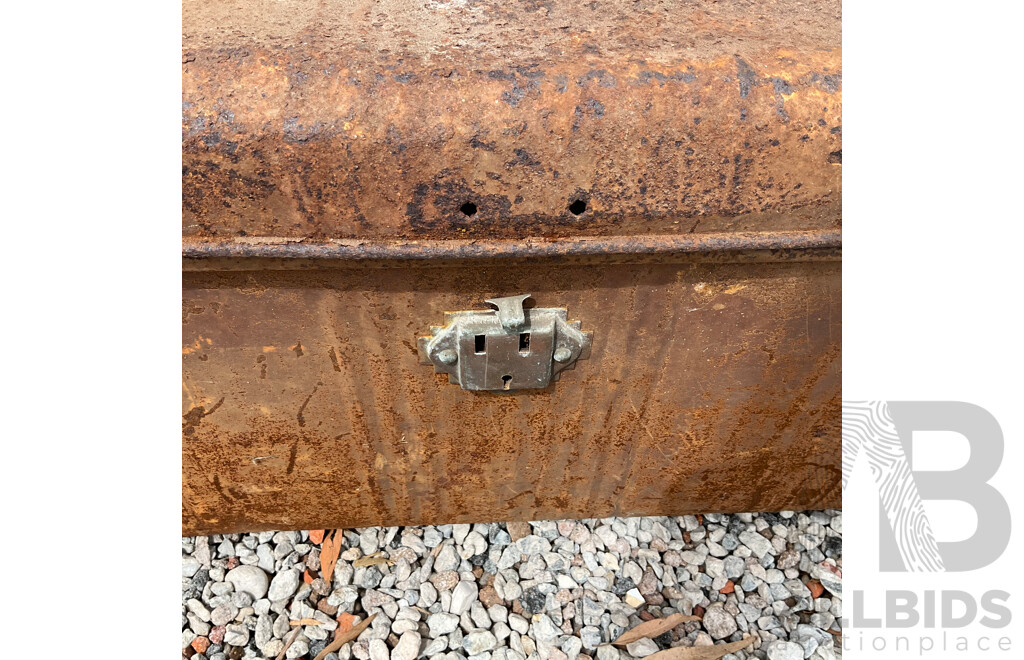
(407, 122)
(671, 414)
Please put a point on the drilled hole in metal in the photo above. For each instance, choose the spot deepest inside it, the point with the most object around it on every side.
(469, 208)
(524, 343)
(480, 344)
(578, 207)
(506, 382)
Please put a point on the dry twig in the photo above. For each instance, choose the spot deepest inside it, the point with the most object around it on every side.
(344, 638)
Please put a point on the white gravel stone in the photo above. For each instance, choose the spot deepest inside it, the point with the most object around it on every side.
(478, 642)
(379, 650)
(642, 648)
(189, 566)
(719, 623)
(447, 559)
(223, 614)
(780, 650)
(283, 585)
(463, 595)
(579, 584)
(758, 544)
(249, 579)
(533, 545)
(442, 623)
(408, 647)
(236, 635)
(518, 623)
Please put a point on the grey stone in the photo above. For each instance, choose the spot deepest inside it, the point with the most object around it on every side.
(222, 588)
(264, 631)
(197, 625)
(402, 626)
(435, 646)
(379, 650)
(733, 567)
(479, 615)
(236, 634)
(533, 545)
(719, 623)
(828, 579)
(442, 623)
(571, 647)
(202, 551)
(447, 559)
(223, 614)
(249, 579)
(241, 600)
(543, 629)
(189, 566)
(283, 585)
(478, 642)
(822, 620)
(518, 623)
(408, 647)
(780, 650)
(590, 636)
(758, 544)
(281, 626)
(463, 595)
(428, 595)
(196, 607)
(459, 533)
(642, 648)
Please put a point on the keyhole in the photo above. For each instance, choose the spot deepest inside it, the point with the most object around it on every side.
(506, 381)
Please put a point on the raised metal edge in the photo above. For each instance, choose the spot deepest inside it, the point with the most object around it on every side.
(282, 253)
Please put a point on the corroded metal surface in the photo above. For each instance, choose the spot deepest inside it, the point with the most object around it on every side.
(670, 172)
(800, 243)
(382, 120)
(710, 387)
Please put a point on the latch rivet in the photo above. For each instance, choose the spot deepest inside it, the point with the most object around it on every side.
(448, 356)
(562, 354)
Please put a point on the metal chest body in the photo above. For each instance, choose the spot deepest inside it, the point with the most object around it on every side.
(671, 183)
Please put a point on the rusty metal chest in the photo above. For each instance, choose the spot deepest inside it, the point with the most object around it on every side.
(665, 183)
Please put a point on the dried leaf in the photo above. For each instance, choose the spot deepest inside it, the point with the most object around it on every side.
(367, 560)
(702, 652)
(346, 622)
(329, 552)
(316, 536)
(653, 628)
(342, 640)
(306, 622)
(307, 577)
(370, 560)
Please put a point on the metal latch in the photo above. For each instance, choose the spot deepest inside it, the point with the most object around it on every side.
(508, 348)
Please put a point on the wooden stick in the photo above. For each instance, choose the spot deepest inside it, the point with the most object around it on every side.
(280, 656)
(344, 638)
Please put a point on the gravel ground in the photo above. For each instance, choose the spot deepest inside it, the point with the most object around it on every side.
(553, 590)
